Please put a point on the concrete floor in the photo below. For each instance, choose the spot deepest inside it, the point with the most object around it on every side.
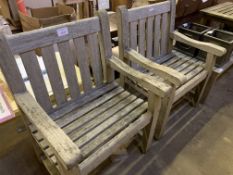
(198, 141)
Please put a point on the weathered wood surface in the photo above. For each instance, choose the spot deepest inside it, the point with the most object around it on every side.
(222, 11)
(146, 35)
(84, 124)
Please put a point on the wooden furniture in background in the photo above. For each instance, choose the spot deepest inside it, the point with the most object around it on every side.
(222, 12)
(146, 41)
(47, 16)
(73, 134)
(10, 11)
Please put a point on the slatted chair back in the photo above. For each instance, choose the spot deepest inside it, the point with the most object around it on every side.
(146, 29)
(85, 43)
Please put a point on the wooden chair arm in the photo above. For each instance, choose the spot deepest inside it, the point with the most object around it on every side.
(67, 152)
(157, 87)
(167, 73)
(204, 46)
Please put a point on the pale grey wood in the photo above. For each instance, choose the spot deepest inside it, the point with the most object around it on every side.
(164, 34)
(95, 59)
(83, 63)
(142, 37)
(92, 111)
(103, 153)
(36, 79)
(105, 44)
(54, 75)
(10, 68)
(82, 100)
(147, 11)
(157, 35)
(101, 122)
(149, 37)
(68, 58)
(113, 130)
(133, 35)
(49, 35)
(123, 34)
(172, 18)
(64, 149)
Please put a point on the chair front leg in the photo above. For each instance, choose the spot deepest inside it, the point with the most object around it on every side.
(154, 106)
(166, 106)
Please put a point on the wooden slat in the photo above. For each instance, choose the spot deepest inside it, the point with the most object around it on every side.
(105, 45)
(194, 72)
(142, 36)
(68, 58)
(104, 96)
(95, 59)
(149, 37)
(178, 63)
(9, 67)
(63, 110)
(102, 153)
(157, 35)
(98, 124)
(133, 35)
(151, 10)
(36, 79)
(164, 34)
(171, 61)
(93, 112)
(83, 63)
(50, 35)
(52, 69)
(110, 132)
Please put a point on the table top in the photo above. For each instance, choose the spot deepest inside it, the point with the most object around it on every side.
(223, 11)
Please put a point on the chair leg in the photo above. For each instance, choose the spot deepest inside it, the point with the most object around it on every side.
(154, 106)
(206, 88)
(166, 106)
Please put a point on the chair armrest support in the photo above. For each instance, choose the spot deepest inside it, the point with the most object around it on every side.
(204, 46)
(167, 73)
(67, 152)
(157, 87)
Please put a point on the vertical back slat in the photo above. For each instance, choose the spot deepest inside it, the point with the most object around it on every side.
(164, 34)
(83, 63)
(34, 73)
(10, 68)
(68, 59)
(157, 35)
(54, 74)
(141, 36)
(149, 37)
(172, 22)
(95, 59)
(133, 35)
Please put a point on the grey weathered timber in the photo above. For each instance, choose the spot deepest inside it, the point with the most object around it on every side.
(153, 52)
(94, 116)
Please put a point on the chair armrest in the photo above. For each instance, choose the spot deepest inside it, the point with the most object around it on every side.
(204, 46)
(157, 87)
(67, 152)
(167, 73)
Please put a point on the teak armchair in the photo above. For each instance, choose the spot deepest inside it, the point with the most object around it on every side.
(146, 35)
(74, 133)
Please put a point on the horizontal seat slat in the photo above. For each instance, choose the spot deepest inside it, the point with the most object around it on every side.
(113, 131)
(102, 122)
(57, 115)
(68, 118)
(80, 122)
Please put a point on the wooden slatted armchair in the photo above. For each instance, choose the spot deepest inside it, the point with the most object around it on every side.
(146, 35)
(74, 133)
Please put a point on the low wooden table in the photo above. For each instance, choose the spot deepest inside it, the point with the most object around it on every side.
(222, 12)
